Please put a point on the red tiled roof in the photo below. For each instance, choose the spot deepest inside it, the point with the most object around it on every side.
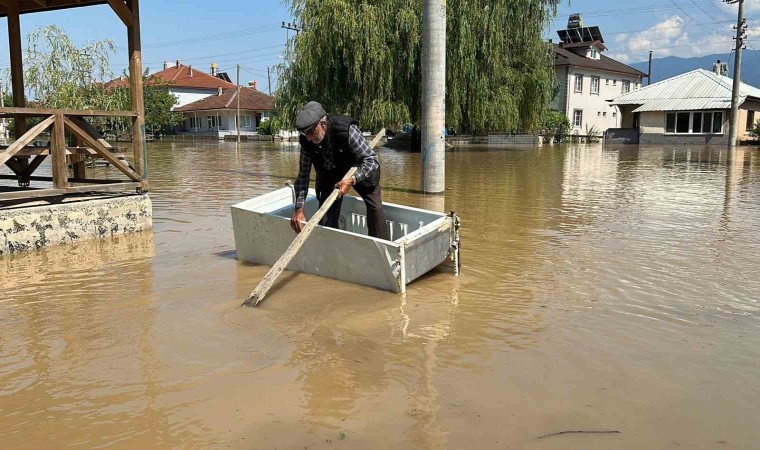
(250, 100)
(180, 77)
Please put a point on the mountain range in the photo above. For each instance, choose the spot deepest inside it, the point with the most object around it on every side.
(671, 66)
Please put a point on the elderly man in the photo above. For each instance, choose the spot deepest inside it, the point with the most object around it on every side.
(334, 144)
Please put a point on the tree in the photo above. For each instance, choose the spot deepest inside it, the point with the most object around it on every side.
(61, 75)
(364, 59)
(158, 102)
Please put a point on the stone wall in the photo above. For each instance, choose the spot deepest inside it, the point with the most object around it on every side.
(33, 227)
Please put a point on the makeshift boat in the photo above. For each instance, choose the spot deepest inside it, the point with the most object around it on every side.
(420, 240)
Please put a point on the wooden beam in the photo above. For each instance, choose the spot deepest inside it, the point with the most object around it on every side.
(71, 180)
(58, 150)
(33, 166)
(15, 166)
(70, 151)
(33, 112)
(43, 3)
(17, 65)
(39, 193)
(26, 139)
(121, 10)
(134, 43)
(98, 147)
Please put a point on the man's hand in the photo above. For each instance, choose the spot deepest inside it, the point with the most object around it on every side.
(296, 222)
(344, 186)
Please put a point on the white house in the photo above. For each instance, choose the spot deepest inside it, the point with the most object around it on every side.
(691, 108)
(587, 79)
(186, 82)
(215, 115)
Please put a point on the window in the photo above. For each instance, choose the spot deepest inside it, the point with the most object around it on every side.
(578, 118)
(245, 121)
(750, 120)
(579, 83)
(604, 114)
(614, 114)
(607, 82)
(195, 123)
(595, 85)
(718, 122)
(636, 86)
(598, 114)
(213, 121)
(593, 53)
(696, 122)
(626, 86)
(614, 82)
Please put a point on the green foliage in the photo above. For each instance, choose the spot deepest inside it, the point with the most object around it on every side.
(364, 59)
(755, 131)
(268, 127)
(554, 125)
(60, 75)
(593, 133)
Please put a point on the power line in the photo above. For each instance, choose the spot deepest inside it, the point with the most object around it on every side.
(637, 10)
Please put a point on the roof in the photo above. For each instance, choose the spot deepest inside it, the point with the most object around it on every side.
(31, 6)
(598, 44)
(250, 100)
(698, 89)
(182, 76)
(564, 57)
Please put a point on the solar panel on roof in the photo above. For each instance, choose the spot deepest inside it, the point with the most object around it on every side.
(576, 35)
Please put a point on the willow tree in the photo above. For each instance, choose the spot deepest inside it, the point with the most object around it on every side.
(364, 59)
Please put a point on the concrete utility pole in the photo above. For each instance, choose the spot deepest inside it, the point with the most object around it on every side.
(269, 80)
(237, 94)
(434, 96)
(741, 29)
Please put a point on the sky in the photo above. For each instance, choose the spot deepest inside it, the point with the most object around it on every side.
(249, 33)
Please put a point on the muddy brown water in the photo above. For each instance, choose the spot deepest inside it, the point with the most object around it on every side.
(607, 289)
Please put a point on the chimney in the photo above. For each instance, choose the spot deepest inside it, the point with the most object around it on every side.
(219, 91)
(214, 69)
(190, 71)
(254, 85)
(251, 83)
(720, 68)
(166, 65)
(177, 64)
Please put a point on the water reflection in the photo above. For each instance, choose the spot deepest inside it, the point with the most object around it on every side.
(617, 277)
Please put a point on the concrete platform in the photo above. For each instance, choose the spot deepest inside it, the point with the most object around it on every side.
(34, 225)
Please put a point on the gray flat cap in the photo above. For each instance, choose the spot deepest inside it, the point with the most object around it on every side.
(310, 114)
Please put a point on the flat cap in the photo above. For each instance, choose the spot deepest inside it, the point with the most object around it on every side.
(310, 114)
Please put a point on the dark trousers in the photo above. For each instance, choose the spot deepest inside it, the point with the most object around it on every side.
(370, 194)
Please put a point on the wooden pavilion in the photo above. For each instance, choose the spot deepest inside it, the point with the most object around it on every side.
(23, 158)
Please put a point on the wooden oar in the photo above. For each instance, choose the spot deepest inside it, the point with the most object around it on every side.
(257, 295)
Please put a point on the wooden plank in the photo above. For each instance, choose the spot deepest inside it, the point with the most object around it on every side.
(24, 140)
(136, 83)
(58, 150)
(86, 126)
(39, 193)
(33, 166)
(35, 151)
(258, 294)
(33, 112)
(17, 65)
(104, 152)
(122, 11)
(71, 180)
(15, 166)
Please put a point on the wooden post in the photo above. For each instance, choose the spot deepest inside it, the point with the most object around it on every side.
(136, 84)
(58, 152)
(17, 66)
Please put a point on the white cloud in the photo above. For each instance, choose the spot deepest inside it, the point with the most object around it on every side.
(673, 37)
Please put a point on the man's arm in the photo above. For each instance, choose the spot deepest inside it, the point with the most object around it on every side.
(367, 158)
(302, 182)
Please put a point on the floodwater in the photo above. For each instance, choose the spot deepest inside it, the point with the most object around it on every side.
(611, 290)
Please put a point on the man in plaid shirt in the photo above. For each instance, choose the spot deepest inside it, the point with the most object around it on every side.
(333, 144)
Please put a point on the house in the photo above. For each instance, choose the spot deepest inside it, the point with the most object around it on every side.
(187, 83)
(691, 108)
(215, 115)
(587, 79)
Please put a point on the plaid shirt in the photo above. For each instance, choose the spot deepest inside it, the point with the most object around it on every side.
(365, 157)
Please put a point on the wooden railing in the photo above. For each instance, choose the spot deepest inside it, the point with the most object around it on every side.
(90, 143)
